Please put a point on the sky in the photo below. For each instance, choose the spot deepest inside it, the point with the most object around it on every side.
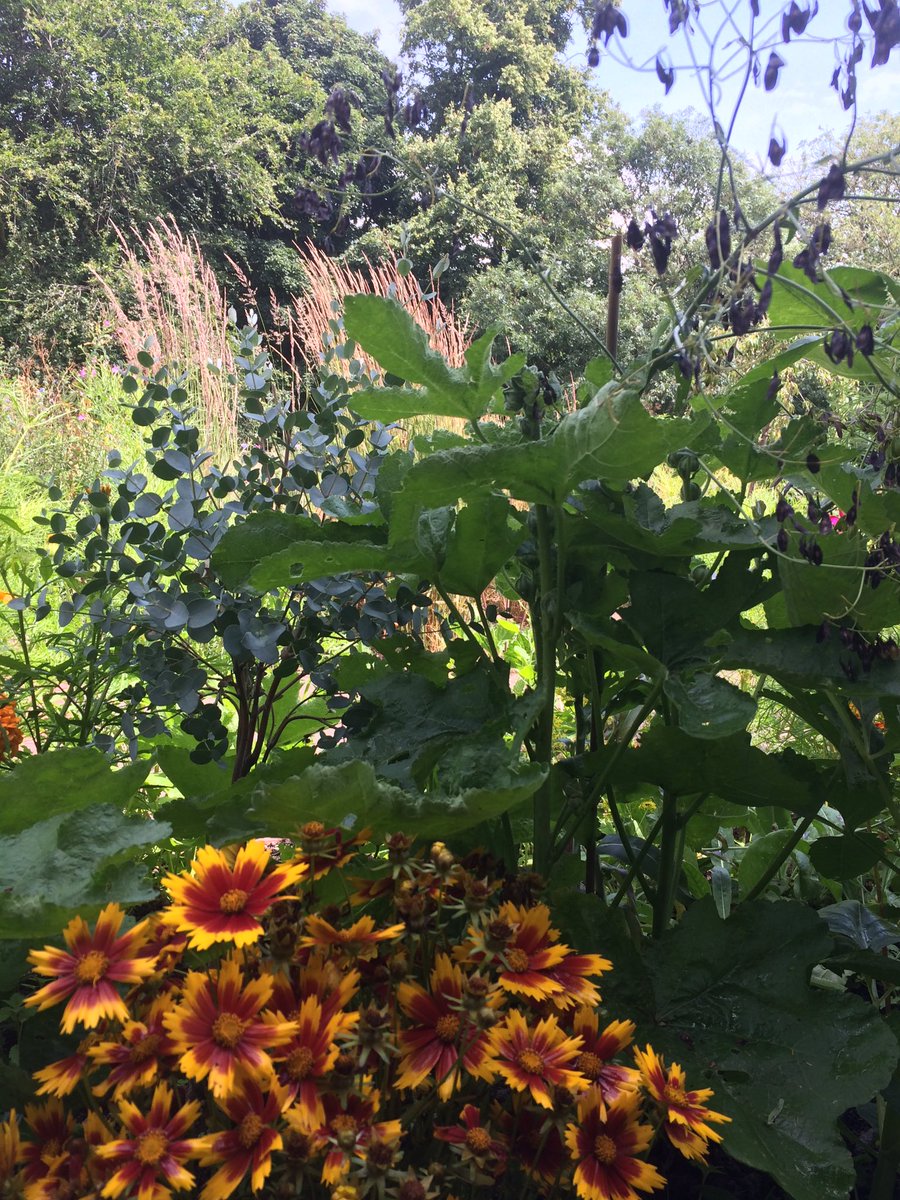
(801, 106)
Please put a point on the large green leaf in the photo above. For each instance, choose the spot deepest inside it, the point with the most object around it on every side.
(270, 550)
(483, 539)
(349, 794)
(385, 330)
(69, 863)
(796, 658)
(730, 1000)
(796, 301)
(709, 707)
(612, 438)
(64, 781)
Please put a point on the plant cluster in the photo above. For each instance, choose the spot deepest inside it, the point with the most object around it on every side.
(449, 1044)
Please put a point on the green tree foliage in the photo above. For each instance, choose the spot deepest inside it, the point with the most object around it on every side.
(116, 112)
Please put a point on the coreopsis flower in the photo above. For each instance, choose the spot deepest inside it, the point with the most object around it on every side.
(606, 1145)
(219, 1028)
(79, 1172)
(10, 730)
(222, 902)
(443, 1040)
(46, 1151)
(360, 940)
(322, 978)
(151, 1158)
(306, 1058)
(346, 1131)
(535, 1143)
(62, 1077)
(323, 849)
(535, 1059)
(666, 1086)
(474, 1141)
(10, 1148)
(88, 973)
(610, 1079)
(248, 1145)
(138, 1057)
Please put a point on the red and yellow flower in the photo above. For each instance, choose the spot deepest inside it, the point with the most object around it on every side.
(46, 1151)
(306, 1058)
(221, 901)
(249, 1144)
(10, 1148)
(152, 1158)
(535, 1059)
(596, 1060)
(220, 1028)
(474, 1141)
(62, 1077)
(443, 1040)
(137, 1059)
(683, 1109)
(360, 940)
(346, 1131)
(606, 1145)
(322, 978)
(87, 974)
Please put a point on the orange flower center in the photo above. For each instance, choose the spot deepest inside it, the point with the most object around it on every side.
(447, 1027)
(518, 960)
(228, 1029)
(478, 1140)
(530, 1062)
(345, 1130)
(313, 829)
(145, 1048)
(233, 901)
(51, 1149)
(674, 1095)
(91, 967)
(589, 1064)
(605, 1150)
(151, 1146)
(250, 1131)
(300, 1063)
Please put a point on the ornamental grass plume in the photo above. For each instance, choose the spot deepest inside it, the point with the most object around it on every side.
(429, 1036)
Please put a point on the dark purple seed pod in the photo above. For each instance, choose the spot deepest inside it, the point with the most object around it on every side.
(593, 58)
(865, 340)
(832, 187)
(782, 540)
(634, 236)
(773, 66)
(823, 632)
(815, 554)
(813, 464)
(776, 151)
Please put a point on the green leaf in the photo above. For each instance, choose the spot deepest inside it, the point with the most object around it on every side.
(759, 856)
(867, 964)
(385, 330)
(64, 781)
(796, 300)
(194, 779)
(709, 707)
(851, 919)
(73, 862)
(613, 438)
(730, 1001)
(796, 659)
(270, 550)
(483, 540)
(847, 855)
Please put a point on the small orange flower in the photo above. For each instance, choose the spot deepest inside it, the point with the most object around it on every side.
(223, 903)
(535, 1059)
(606, 1146)
(218, 1029)
(88, 974)
(155, 1153)
(359, 941)
(443, 1041)
(248, 1145)
(10, 730)
(681, 1107)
